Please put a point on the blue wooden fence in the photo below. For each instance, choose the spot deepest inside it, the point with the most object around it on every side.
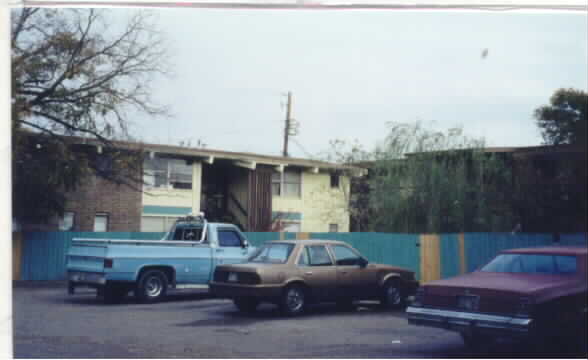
(44, 253)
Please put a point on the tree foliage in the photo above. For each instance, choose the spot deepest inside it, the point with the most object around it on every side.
(564, 120)
(431, 181)
(76, 74)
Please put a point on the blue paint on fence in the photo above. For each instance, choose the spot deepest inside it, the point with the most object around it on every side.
(44, 253)
(449, 253)
(392, 249)
(482, 247)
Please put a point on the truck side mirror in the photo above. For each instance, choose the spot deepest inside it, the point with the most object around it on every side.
(244, 244)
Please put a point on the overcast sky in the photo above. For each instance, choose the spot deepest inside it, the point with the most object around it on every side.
(351, 72)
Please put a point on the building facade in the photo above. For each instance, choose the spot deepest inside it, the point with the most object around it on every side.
(256, 192)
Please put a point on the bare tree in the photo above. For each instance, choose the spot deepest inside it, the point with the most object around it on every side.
(77, 74)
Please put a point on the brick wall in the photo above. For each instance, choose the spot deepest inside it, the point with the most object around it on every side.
(122, 204)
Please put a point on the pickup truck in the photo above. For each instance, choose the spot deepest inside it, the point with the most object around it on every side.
(185, 257)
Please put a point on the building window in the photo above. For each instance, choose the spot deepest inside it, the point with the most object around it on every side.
(333, 227)
(334, 180)
(287, 183)
(291, 226)
(101, 222)
(66, 222)
(167, 173)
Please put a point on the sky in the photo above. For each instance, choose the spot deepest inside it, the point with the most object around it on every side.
(351, 72)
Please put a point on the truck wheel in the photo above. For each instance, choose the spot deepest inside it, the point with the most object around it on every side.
(293, 300)
(246, 305)
(391, 296)
(152, 286)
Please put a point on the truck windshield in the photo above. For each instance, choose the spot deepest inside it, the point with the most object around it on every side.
(272, 253)
(533, 264)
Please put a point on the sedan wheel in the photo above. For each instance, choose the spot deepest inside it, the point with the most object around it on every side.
(293, 300)
(391, 296)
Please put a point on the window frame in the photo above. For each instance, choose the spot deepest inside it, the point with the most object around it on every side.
(335, 180)
(305, 247)
(334, 255)
(282, 183)
(169, 164)
(219, 230)
(62, 221)
(106, 216)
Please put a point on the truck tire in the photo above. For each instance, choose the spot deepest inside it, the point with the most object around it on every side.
(152, 286)
(391, 295)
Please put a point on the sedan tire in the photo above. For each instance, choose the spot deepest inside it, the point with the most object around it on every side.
(392, 296)
(293, 300)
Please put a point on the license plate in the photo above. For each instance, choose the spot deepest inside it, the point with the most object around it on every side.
(232, 277)
(467, 302)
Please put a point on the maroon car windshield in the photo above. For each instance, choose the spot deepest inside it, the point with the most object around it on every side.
(533, 264)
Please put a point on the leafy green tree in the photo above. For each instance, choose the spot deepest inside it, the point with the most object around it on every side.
(77, 76)
(430, 181)
(564, 120)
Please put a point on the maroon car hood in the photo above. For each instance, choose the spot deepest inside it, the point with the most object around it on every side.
(537, 285)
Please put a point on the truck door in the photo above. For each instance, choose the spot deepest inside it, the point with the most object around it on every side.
(231, 249)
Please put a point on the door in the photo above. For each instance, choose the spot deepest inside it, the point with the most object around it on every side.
(353, 279)
(318, 270)
(230, 248)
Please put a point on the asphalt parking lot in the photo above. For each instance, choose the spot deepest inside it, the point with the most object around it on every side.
(48, 323)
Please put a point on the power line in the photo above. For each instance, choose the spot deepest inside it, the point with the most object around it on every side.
(302, 148)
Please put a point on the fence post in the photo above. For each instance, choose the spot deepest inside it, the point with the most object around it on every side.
(462, 257)
(430, 257)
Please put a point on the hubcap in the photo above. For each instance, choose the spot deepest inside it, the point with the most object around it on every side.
(295, 300)
(153, 286)
(393, 295)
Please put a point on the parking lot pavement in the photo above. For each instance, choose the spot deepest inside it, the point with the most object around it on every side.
(50, 324)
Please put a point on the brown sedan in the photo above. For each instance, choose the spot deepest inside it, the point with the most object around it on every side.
(293, 274)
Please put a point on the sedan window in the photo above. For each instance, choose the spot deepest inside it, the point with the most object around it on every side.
(533, 264)
(319, 256)
(345, 256)
(272, 253)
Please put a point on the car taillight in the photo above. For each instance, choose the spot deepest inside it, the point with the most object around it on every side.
(525, 306)
(419, 297)
(108, 263)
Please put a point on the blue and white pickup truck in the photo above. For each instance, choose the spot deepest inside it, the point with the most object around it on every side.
(186, 256)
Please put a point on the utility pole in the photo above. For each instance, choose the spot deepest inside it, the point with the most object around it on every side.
(287, 127)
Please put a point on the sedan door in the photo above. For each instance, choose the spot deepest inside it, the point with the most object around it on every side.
(318, 270)
(354, 278)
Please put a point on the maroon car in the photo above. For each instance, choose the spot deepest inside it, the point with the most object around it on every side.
(536, 294)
